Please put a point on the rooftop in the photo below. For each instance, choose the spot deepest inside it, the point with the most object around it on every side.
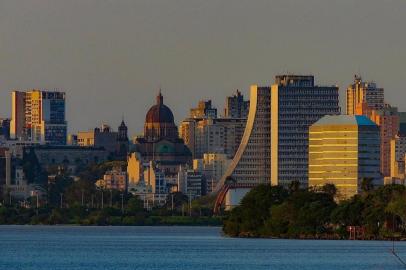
(359, 120)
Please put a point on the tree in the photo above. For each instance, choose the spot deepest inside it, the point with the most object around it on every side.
(367, 184)
(294, 186)
(329, 189)
(254, 211)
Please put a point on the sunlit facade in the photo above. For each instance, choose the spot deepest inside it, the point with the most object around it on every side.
(343, 150)
(39, 116)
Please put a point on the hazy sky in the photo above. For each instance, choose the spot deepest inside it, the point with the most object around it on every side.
(111, 57)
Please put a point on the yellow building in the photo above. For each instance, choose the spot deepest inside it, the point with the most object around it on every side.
(344, 150)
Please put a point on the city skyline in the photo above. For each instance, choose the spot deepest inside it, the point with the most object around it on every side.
(122, 55)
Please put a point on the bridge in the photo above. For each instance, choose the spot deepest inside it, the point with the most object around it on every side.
(221, 195)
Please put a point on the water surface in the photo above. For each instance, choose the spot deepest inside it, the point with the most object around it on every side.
(180, 248)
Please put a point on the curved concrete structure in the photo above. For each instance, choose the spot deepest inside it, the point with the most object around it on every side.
(251, 163)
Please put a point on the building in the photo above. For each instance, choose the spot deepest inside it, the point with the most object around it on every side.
(187, 131)
(361, 92)
(135, 169)
(212, 135)
(204, 109)
(252, 162)
(160, 142)
(147, 181)
(114, 179)
(4, 129)
(115, 143)
(296, 104)
(365, 98)
(402, 122)
(39, 116)
(191, 183)
(344, 150)
(70, 157)
(236, 106)
(397, 156)
(122, 141)
(387, 119)
(213, 166)
(14, 183)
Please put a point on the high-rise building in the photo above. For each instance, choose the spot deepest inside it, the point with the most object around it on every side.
(388, 121)
(252, 162)
(236, 106)
(344, 150)
(363, 92)
(296, 103)
(39, 116)
(204, 109)
(212, 135)
(365, 98)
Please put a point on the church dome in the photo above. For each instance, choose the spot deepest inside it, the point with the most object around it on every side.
(159, 113)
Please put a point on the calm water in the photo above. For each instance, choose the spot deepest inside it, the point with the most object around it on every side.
(42, 247)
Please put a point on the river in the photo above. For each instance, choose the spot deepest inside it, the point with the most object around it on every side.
(188, 248)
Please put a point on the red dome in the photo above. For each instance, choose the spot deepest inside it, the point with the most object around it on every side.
(159, 113)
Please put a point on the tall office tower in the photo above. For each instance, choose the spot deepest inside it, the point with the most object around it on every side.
(204, 109)
(364, 92)
(236, 106)
(365, 98)
(387, 119)
(252, 161)
(17, 124)
(296, 103)
(39, 116)
(344, 150)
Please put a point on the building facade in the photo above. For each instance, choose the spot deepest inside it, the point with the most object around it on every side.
(361, 92)
(160, 142)
(344, 150)
(4, 129)
(204, 109)
(212, 135)
(191, 183)
(397, 156)
(39, 116)
(116, 143)
(252, 162)
(296, 104)
(213, 166)
(236, 106)
(115, 179)
(365, 98)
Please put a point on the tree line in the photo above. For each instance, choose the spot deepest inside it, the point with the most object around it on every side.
(272, 211)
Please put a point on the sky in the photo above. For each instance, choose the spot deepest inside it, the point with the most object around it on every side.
(111, 57)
